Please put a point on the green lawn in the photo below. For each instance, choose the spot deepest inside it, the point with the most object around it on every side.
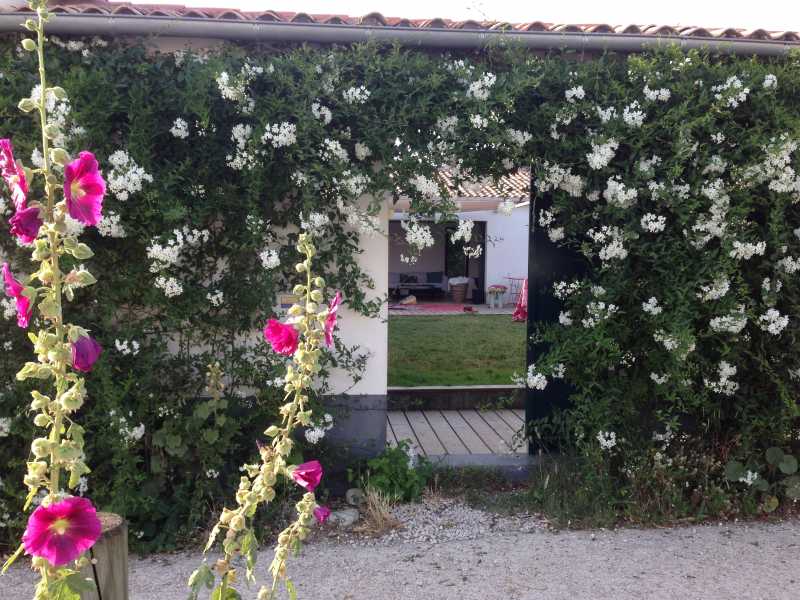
(455, 350)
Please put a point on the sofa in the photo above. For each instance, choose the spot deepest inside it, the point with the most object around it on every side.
(422, 283)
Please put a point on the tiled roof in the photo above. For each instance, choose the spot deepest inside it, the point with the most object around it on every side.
(515, 185)
(375, 19)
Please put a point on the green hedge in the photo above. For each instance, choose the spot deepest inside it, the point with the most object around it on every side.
(129, 97)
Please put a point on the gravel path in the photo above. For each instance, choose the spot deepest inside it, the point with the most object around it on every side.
(484, 557)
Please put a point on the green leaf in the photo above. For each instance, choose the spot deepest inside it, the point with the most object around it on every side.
(60, 590)
(774, 455)
(771, 503)
(734, 470)
(230, 594)
(80, 584)
(210, 435)
(788, 465)
(290, 589)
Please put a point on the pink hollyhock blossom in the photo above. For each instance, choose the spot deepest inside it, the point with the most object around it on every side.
(84, 189)
(63, 531)
(322, 513)
(14, 290)
(13, 175)
(85, 353)
(308, 475)
(330, 320)
(25, 224)
(283, 338)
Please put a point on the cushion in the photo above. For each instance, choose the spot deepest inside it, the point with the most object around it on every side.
(434, 276)
(408, 278)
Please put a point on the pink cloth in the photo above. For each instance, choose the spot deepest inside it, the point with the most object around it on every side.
(521, 309)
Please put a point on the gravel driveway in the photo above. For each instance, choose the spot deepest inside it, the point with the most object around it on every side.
(513, 559)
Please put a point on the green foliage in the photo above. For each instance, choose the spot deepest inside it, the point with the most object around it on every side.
(397, 474)
(128, 97)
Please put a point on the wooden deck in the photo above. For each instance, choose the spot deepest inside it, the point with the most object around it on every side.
(458, 432)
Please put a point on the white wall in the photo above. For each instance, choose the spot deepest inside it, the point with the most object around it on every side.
(506, 245)
(370, 334)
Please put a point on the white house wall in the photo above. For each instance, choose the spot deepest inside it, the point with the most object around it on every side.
(506, 244)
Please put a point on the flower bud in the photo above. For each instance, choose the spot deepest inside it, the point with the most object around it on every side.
(59, 92)
(59, 156)
(237, 523)
(30, 25)
(40, 447)
(41, 420)
(299, 289)
(300, 267)
(272, 431)
(319, 282)
(40, 401)
(52, 131)
(29, 44)
(316, 296)
(26, 105)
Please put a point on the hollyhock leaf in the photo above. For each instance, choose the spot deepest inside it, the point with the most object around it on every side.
(80, 584)
(60, 590)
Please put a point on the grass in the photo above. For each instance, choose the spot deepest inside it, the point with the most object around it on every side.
(455, 350)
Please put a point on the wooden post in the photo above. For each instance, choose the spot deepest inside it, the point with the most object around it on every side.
(109, 568)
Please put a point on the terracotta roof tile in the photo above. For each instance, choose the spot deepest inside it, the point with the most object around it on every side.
(376, 19)
(515, 185)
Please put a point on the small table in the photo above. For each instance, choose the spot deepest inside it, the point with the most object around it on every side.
(514, 288)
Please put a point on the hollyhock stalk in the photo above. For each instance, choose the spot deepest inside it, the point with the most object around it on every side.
(59, 348)
(309, 317)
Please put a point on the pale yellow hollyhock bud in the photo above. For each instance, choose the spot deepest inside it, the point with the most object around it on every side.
(41, 420)
(40, 447)
(300, 267)
(29, 44)
(319, 282)
(316, 296)
(238, 523)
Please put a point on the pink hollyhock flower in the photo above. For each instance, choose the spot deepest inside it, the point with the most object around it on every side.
(25, 224)
(13, 175)
(85, 353)
(308, 475)
(84, 189)
(14, 290)
(63, 531)
(330, 320)
(283, 338)
(321, 513)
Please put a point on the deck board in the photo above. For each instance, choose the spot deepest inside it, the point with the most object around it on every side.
(501, 426)
(425, 434)
(450, 440)
(519, 413)
(473, 442)
(402, 429)
(496, 443)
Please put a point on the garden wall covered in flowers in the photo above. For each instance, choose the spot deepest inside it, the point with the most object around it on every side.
(672, 173)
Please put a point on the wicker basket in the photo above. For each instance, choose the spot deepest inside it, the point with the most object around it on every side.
(459, 292)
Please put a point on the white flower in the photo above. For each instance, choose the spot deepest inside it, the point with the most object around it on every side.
(653, 223)
(575, 93)
(212, 474)
(216, 298)
(732, 323)
(659, 95)
(633, 115)
(556, 234)
(520, 138)
(597, 312)
(171, 286)
(362, 151)
(478, 121)
(480, 89)
(562, 289)
(749, 478)
(127, 347)
(5, 426)
(773, 322)
(109, 225)
(269, 258)
(659, 379)
(732, 92)
(611, 239)
(718, 137)
(716, 290)
(418, 235)
(652, 307)
(556, 177)
(356, 95)
(280, 135)
(602, 154)
(617, 194)
(564, 318)
(126, 177)
(648, 164)
(506, 207)
(725, 385)
(321, 112)
(180, 129)
(463, 231)
(770, 81)
(315, 224)
(606, 114)
(746, 250)
(447, 125)
(332, 150)
(789, 265)
(534, 380)
(425, 186)
(607, 439)
(241, 159)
